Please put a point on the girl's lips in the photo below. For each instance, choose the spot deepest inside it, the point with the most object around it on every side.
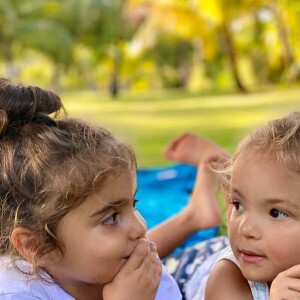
(251, 257)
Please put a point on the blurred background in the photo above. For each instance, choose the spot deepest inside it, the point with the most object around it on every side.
(151, 69)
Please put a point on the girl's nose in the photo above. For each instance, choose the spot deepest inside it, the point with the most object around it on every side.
(249, 227)
(138, 227)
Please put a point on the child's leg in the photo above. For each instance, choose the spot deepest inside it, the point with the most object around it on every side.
(201, 212)
(198, 151)
(194, 149)
(203, 207)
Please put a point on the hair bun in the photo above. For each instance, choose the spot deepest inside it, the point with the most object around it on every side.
(20, 105)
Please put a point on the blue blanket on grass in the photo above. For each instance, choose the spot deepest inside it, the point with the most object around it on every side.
(165, 191)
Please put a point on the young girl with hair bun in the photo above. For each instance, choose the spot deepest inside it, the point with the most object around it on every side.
(69, 227)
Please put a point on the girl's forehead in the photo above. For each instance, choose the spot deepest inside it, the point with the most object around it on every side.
(249, 158)
(115, 190)
(261, 171)
(264, 160)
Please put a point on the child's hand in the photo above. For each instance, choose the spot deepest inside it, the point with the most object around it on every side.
(139, 278)
(286, 285)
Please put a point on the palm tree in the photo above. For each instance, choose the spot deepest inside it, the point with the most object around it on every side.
(175, 22)
(276, 7)
(29, 24)
(100, 25)
(196, 21)
(222, 14)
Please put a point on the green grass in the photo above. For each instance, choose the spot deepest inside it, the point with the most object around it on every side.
(148, 121)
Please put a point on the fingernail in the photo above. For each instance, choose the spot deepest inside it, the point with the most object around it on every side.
(157, 257)
(153, 245)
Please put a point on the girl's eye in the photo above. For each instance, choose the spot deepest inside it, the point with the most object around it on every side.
(237, 205)
(111, 220)
(278, 214)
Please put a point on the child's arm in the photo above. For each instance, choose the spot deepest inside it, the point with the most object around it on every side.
(139, 277)
(286, 285)
(227, 282)
(172, 233)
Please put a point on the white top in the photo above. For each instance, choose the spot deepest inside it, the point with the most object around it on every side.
(15, 285)
(259, 290)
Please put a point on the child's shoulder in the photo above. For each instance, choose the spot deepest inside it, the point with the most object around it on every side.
(227, 276)
(15, 284)
(230, 282)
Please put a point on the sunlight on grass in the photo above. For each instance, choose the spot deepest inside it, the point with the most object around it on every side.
(149, 121)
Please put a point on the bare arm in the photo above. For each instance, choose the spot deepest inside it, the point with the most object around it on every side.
(227, 282)
(172, 233)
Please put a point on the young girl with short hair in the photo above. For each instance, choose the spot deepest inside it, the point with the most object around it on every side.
(263, 259)
(262, 195)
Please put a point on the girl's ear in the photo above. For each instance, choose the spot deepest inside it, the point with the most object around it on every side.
(24, 241)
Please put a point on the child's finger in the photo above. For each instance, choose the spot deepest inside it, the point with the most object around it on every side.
(154, 271)
(153, 252)
(293, 272)
(155, 264)
(139, 254)
(294, 285)
(158, 273)
(150, 260)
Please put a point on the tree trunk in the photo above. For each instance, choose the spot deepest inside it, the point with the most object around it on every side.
(287, 54)
(230, 52)
(258, 52)
(183, 65)
(114, 84)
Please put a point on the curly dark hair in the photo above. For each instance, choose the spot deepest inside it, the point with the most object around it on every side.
(49, 164)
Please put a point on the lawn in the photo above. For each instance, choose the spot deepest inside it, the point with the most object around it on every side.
(148, 121)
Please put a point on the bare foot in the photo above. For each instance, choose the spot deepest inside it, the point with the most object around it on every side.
(203, 207)
(194, 149)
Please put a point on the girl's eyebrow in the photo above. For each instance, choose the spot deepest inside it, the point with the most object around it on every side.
(109, 206)
(271, 201)
(282, 201)
(234, 190)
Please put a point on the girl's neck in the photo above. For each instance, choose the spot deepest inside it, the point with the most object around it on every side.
(84, 291)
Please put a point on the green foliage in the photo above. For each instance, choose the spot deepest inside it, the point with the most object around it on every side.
(192, 44)
(232, 29)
